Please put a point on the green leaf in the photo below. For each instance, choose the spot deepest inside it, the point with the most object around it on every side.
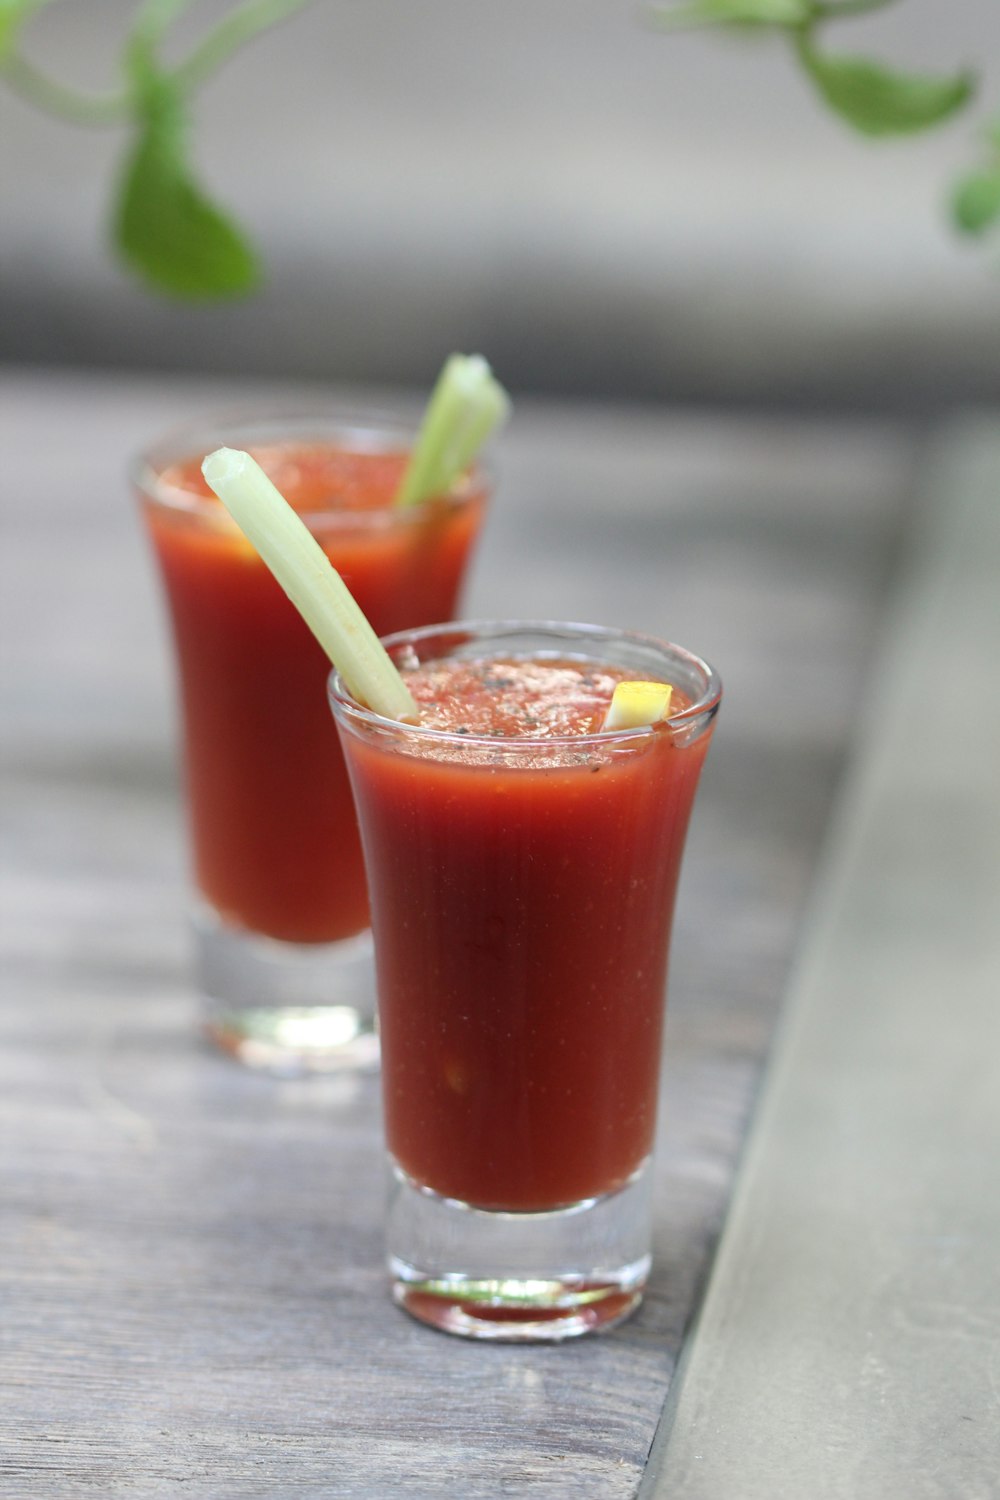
(976, 202)
(736, 13)
(165, 226)
(878, 101)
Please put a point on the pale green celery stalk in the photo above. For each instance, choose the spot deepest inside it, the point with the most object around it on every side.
(305, 573)
(466, 405)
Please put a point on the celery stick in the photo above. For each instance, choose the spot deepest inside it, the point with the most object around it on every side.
(305, 573)
(466, 405)
(635, 704)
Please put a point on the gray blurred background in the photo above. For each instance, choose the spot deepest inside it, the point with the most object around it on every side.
(602, 209)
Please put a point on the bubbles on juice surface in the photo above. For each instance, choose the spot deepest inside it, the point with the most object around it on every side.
(311, 476)
(510, 699)
(507, 700)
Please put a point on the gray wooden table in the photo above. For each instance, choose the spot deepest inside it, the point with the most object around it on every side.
(191, 1292)
(847, 1346)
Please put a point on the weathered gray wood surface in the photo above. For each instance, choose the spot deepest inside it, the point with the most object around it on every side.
(848, 1347)
(190, 1258)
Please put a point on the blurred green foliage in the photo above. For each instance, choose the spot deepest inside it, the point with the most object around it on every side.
(173, 234)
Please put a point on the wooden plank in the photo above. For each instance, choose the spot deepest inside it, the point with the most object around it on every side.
(850, 1340)
(190, 1261)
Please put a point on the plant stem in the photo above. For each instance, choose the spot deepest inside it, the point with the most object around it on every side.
(152, 21)
(67, 104)
(154, 17)
(830, 10)
(238, 28)
(112, 108)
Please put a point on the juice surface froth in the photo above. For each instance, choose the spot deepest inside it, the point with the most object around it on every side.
(311, 476)
(513, 699)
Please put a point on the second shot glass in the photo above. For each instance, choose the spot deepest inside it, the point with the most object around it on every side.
(282, 946)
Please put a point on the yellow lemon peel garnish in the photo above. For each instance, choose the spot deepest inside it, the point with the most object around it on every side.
(637, 703)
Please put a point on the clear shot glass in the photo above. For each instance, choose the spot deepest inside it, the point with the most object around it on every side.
(522, 897)
(280, 919)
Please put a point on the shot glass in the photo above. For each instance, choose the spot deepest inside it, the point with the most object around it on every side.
(281, 929)
(522, 897)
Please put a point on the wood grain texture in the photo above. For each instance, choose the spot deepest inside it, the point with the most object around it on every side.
(848, 1346)
(191, 1290)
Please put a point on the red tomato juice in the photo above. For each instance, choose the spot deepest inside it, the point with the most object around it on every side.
(522, 892)
(276, 847)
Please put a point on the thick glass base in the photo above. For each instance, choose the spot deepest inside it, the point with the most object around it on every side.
(519, 1277)
(286, 1008)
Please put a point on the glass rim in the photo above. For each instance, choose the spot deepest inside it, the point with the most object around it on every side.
(345, 705)
(234, 426)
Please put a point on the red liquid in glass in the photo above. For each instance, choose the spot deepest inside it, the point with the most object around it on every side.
(522, 917)
(275, 838)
